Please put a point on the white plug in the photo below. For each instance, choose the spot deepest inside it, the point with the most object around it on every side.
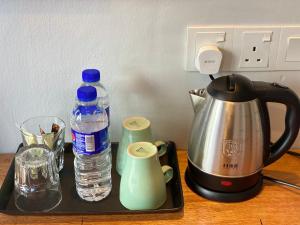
(208, 59)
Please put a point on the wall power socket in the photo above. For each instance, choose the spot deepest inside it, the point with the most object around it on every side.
(255, 49)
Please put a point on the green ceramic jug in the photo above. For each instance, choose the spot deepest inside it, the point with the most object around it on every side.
(135, 129)
(143, 182)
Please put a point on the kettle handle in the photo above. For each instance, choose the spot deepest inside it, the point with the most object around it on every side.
(273, 92)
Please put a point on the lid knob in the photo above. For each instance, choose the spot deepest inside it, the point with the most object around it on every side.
(234, 88)
(230, 83)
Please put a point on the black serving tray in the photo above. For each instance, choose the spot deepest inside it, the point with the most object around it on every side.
(72, 204)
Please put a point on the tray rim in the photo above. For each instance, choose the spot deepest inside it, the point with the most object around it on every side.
(10, 176)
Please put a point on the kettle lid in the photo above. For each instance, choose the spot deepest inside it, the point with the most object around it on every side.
(234, 88)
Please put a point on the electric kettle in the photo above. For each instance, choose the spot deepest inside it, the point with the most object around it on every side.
(230, 139)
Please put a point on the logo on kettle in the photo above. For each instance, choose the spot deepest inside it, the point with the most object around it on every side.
(231, 147)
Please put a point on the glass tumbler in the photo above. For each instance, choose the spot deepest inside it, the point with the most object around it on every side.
(37, 185)
(47, 130)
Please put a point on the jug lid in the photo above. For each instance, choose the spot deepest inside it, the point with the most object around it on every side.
(235, 88)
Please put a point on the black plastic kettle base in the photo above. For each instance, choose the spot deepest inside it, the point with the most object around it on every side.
(222, 196)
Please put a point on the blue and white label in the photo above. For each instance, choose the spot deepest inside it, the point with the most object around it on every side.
(89, 144)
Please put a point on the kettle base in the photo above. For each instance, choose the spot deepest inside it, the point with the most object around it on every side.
(223, 196)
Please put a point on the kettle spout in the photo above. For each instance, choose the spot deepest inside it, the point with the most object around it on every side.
(197, 96)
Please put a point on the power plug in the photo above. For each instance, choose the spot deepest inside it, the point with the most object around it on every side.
(208, 59)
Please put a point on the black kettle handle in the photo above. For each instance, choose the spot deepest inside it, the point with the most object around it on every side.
(273, 92)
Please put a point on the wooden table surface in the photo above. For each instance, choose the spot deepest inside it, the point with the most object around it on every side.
(276, 204)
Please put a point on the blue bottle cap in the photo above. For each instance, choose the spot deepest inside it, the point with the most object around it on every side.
(86, 94)
(90, 75)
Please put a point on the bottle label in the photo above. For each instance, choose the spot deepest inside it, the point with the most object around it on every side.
(89, 144)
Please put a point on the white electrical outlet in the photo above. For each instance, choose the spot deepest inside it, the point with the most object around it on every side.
(255, 49)
(198, 37)
(244, 48)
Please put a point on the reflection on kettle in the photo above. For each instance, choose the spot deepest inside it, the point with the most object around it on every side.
(230, 138)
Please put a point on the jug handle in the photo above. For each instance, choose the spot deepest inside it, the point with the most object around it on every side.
(273, 92)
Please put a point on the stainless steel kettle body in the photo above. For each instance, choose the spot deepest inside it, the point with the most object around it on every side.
(227, 138)
(230, 138)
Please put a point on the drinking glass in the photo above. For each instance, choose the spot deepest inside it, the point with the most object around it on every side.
(47, 130)
(37, 185)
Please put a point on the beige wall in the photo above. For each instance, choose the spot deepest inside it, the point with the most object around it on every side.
(138, 45)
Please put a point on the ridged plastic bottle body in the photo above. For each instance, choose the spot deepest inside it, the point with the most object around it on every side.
(92, 150)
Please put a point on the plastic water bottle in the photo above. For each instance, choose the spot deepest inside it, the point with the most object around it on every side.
(91, 146)
(91, 77)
